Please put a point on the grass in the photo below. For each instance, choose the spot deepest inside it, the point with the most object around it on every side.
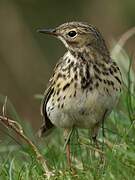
(17, 161)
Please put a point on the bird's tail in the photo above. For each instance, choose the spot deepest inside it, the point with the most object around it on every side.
(44, 130)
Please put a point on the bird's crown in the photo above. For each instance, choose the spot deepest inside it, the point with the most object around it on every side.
(78, 36)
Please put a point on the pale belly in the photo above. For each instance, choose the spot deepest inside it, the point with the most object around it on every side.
(83, 111)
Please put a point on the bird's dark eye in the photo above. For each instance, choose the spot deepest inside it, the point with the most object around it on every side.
(72, 33)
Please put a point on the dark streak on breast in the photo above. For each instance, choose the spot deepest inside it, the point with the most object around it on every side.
(117, 79)
(66, 86)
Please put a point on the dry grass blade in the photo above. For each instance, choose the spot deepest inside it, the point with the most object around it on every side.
(4, 106)
(123, 39)
(16, 127)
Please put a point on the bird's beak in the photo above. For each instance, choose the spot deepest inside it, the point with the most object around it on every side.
(47, 31)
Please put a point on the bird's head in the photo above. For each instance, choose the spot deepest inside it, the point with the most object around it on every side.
(78, 36)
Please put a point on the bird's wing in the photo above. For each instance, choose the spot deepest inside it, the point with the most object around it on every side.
(47, 125)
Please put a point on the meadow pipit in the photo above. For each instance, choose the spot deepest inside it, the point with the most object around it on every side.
(86, 82)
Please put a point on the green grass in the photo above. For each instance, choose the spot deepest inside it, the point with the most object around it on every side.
(17, 161)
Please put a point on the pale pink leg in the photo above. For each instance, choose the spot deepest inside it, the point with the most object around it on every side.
(66, 135)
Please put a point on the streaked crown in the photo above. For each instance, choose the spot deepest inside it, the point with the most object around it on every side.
(78, 36)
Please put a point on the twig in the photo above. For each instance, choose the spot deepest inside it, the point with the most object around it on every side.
(16, 127)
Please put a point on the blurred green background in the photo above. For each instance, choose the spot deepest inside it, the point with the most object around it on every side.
(27, 58)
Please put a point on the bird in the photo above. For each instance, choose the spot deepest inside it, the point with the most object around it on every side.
(85, 85)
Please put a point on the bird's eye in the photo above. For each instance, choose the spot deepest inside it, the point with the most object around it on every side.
(72, 33)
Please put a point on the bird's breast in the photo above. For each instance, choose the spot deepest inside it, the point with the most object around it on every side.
(80, 108)
(83, 92)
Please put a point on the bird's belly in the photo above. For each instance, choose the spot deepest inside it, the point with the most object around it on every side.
(84, 110)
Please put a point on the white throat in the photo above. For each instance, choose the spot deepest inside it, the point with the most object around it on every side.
(64, 42)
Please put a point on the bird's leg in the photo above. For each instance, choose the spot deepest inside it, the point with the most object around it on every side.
(68, 154)
(94, 134)
(94, 138)
(67, 135)
(96, 129)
